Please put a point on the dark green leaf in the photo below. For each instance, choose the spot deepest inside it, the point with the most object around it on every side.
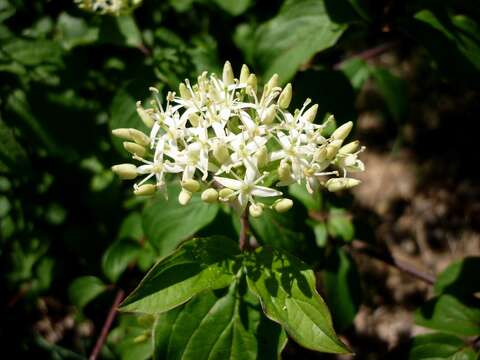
(459, 278)
(393, 90)
(448, 314)
(340, 225)
(133, 337)
(84, 289)
(439, 346)
(198, 265)
(342, 287)
(233, 7)
(166, 223)
(310, 201)
(34, 52)
(12, 155)
(286, 289)
(357, 70)
(118, 256)
(218, 327)
(300, 30)
(321, 233)
(73, 31)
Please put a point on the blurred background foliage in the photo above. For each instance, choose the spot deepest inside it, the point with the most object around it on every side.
(71, 234)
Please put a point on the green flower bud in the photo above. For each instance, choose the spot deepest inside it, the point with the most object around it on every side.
(342, 132)
(210, 195)
(184, 92)
(122, 133)
(145, 190)
(225, 194)
(268, 115)
(350, 148)
(338, 184)
(320, 155)
(332, 149)
(134, 148)
(133, 135)
(311, 113)
(282, 205)
(191, 185)
(144, 115)
(228, 77)
(272, 83)
(285, 97)
(252, 82)
(220, 152)
(184, 197)
(244, 74)
(262, 156)
(255, 210)
(284, 172)
(125, 171)
(194, 119)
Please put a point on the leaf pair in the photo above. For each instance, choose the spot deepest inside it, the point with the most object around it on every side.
(284, 286)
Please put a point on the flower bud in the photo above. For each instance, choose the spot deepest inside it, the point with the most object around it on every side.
(262, 156)
(311, 113)
(284, 172)
(133, 135)
(184, 92)
(184, 197)
(272, 83)
(225, 194)
(244, 74)
(228, 77)
(220, 152)
(145, 190)
(144, 115)
(252, 82)
(350, 148)
(191, 185)
(134, 148)
(282, 205)
(342, 132)
(268, 115)
(122, 133)
(255, 210)
(332, 149)
(338, 184)
(194, 119)
(210, 195)
(125, 171)
(320, 155)
(285, 96)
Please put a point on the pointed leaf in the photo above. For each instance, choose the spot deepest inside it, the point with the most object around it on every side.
(198, 265)
(286, 288)
(439, 346)
(84, 289)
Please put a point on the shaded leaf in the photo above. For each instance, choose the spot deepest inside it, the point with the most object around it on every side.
(198, 265)
(286, 289)
(300, 30)
(393, 90)
(340, 225)
(459, 278)
(74, 31)
(310, 201)
(12, 155)
(84, 289)
(133, 337)
(357, 71)
(118, 256)
(439, 346)
(233, 7)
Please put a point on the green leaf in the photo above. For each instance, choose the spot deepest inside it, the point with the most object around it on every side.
(12, 155)
(448, 314)
(300, 30)
(131, 227)
(166, 223)
(459, 278)
(286, 289)
(233, 7)
(439, 346)
(132, 338)
(198, 265)
(321, 233)
(118, 256)
(84, 289)
(340, 225)
(393, 90)
(212, 326)
(357, 71)
(310, 201)
(342, 287)
(73, 31)
(34, 52)
(120, 30)
(6, 10)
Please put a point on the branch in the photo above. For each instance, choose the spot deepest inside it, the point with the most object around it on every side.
(388, 258)
(244, 230)
(107, 324)
(368, 54)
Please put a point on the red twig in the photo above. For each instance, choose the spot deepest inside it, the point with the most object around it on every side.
(107, 324)
(369, 53)
(244, 230)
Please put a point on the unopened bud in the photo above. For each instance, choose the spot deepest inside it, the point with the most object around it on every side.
(220, 152)
(125, 171)
(191, 185)
(272, 83)
(210, 195)
(228, 77)
(225, 194)
(244, 74)
(184, 197)
(284, 172)
(252, 82)
(338, 184)
(311, 113)
(282, 205)
(255, 210)
(133, 135)
(145, 190)
(350, 148)
(134, 148)
(285, 96)
(320, 155)
(332, 149)
(342, 132)
(194, 119)
(268, 115)
(144, 115)
(122, 133)
(262, 156)
(184, 92)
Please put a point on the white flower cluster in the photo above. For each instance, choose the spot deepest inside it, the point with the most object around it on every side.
(113, 7)
(233, 144)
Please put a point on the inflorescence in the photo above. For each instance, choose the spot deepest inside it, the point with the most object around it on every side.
(233, 144)
(112, 7)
